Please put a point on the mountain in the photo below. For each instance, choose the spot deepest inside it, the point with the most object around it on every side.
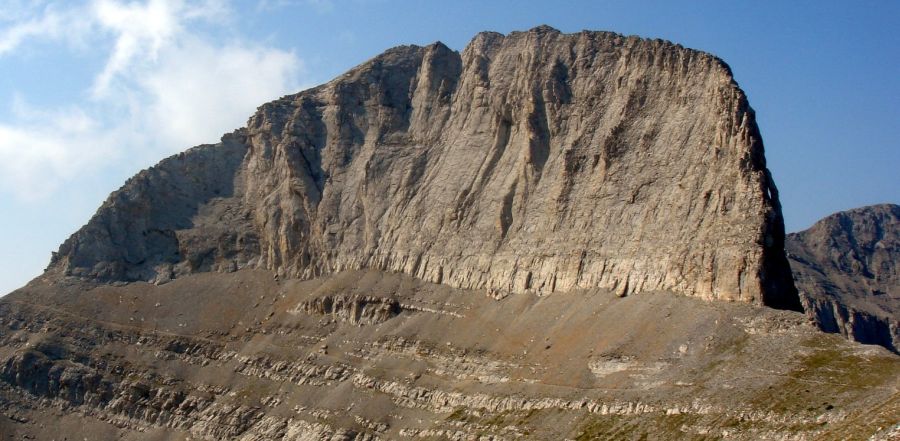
(537, 162)
(545, 236)
(846, 268)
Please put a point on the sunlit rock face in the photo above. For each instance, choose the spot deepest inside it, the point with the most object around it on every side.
(533, 162)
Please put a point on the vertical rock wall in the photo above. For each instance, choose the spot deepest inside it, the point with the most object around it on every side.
(532, 162)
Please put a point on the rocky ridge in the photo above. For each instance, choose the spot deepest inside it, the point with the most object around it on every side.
(846, 270)
(533, 162)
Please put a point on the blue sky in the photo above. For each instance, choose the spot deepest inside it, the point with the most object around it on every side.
(93, 91)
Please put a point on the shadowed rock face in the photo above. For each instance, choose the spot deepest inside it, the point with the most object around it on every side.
(532, 162)
(184, 215)
(846, 269)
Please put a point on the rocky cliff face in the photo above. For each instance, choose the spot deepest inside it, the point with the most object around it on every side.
(532, 162)
(846, 269)
(184, 215)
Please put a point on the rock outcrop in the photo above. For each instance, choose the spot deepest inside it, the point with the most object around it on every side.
(531, 162)
(359, 310)
(182, 216)
(846, 269)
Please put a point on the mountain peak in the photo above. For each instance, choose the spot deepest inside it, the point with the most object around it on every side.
(467, 169)
(544, 29)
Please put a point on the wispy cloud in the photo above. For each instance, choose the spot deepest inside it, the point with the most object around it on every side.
(165, 85)
(142, 30)
(45, 147)
(198, 89)
(32, 23)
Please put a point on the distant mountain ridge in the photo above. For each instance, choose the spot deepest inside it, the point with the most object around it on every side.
(847, 269)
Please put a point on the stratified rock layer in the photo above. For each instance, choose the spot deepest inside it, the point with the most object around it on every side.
(846, 269)
(531, 162)
(369, 355)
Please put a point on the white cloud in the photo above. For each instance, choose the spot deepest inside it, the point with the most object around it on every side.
(46, 147)
(46, 25)
(140, 29)
(165, 86)
(24, 21)
(143, 29)
(17, 10)
(199, 89)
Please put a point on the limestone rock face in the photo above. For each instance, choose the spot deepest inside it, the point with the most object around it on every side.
(182, 216)
(846, 269)
(531, 162)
